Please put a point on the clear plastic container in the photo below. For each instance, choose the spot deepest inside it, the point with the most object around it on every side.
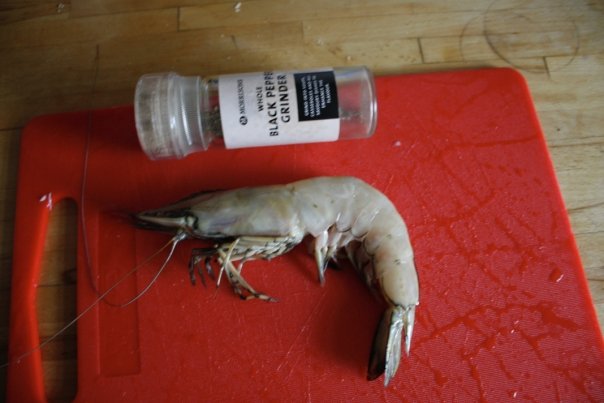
(177, 115)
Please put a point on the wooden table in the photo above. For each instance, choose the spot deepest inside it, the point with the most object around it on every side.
(58, 57)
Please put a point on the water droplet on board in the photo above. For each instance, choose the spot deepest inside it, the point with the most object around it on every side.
(439, 377)
(490, 343)
(47, 198)
(556, 275)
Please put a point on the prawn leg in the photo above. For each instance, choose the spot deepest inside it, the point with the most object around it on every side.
(249, 248)
(197, 256)
(321, 258)
(240, 286)
(326, 246)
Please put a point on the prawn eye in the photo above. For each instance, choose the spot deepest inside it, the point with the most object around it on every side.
(191, 221)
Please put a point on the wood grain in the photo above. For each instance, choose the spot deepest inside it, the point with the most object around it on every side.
(59, 57)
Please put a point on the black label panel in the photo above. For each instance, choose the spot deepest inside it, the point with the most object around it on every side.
(317, 95)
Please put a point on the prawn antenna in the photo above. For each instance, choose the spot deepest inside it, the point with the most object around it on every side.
(172, 242)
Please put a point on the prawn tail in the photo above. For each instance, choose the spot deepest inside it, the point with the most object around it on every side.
(386, 349)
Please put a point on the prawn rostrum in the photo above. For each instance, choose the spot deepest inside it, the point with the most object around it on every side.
(343, 215)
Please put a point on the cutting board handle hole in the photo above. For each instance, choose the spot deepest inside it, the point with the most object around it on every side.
(56, 302)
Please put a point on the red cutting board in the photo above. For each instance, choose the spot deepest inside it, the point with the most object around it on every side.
(504, 310)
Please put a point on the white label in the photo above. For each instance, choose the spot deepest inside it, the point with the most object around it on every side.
(272, 108)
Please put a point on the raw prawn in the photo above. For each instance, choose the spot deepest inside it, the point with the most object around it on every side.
(341, 213)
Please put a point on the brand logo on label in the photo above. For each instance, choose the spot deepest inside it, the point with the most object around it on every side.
(241, 102)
